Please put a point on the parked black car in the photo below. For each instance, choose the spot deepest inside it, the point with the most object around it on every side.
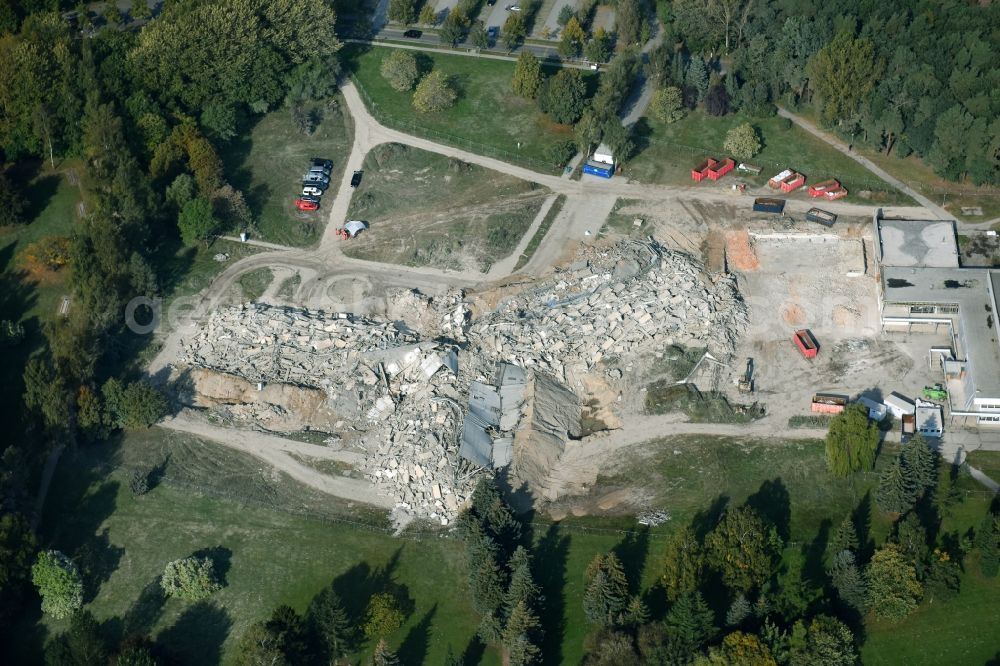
(416, 34)
(320, 162)
(310, 197)
(356, 179)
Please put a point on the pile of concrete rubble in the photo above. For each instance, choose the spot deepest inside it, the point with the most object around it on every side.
(401, 389)
(618, 302)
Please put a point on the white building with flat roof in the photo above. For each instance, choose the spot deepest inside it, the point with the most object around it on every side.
(923, 289)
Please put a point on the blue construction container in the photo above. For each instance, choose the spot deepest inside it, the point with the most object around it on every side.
(598, 169)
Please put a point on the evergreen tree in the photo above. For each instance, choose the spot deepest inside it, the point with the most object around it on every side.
(522, 587)
(519, 636)
(894, 493)
(697, 77)
(738, 611)
(845, 538)
(987, 542)
(606, 593)
(80, 645)
(912, 538)
(847, 580)
(920, 464)
(691, 621)
(328, 623)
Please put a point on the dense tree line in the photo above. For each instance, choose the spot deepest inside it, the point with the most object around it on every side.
(902, 77)
(144, 110)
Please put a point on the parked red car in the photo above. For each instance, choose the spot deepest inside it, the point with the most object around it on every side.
(302, 204)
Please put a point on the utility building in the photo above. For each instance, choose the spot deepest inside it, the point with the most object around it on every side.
(922, 288)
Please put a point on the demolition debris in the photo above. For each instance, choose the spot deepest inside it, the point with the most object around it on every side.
(433, 397)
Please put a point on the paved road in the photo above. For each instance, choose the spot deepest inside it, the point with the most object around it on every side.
(430, 42)
(932, 207)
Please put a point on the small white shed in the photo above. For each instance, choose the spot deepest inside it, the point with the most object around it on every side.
(603, 155)
(899, 405)
(876, 410)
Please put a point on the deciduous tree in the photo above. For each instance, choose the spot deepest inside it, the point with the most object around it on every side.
(402, 11)
(59, 584)
(853, 438)
(400, 70)
(527, 75)
(190, 578)
(843, 73)
(667, 104)
(825, 641)
(383, 616)
(563, 96)
(434, 93)
(893, 588)
(513, 31)
(197, 222)
(683, 564)
(571, 39)
(742, 549)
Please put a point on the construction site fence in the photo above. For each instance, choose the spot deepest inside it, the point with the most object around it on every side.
(413, 533)
(451, 139)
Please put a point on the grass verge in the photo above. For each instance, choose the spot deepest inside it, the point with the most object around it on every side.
(543, 228)
(487, 118)
(255, 283)
(668, 152)
(267, 165)
(424, 209)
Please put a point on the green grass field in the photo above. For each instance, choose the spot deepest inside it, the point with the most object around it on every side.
(487, 118)
(255, 283)
(987, 462)
(668, 152)
(424, 209)
(281, 543)
(267, 165)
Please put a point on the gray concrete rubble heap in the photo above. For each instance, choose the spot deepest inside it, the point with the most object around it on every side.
(401, 390)
(618, 302)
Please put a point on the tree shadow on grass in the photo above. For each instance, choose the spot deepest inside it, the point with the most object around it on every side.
(413, 650)
(705, 521)
(198, 635)
(473, 652)
(145, 610)
(221, 558)
(813, 570)
(97, 558)
(549, 559)
(772, 503)
(632, 551)
(861, 517)
(356, 586)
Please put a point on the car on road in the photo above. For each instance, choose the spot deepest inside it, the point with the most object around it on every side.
(491, 2)
(513, 8)
(415, 34)
(493, 33)
(356, 178)
(312, 191)
(303, 204)
(320, 162)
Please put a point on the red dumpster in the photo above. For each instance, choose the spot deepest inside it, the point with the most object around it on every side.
(721, 169)
(796, 181)
(700, 171)
(820, 189)
(831, 195)
(806, 343)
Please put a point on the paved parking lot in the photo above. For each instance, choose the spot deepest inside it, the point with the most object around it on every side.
(551, 21)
